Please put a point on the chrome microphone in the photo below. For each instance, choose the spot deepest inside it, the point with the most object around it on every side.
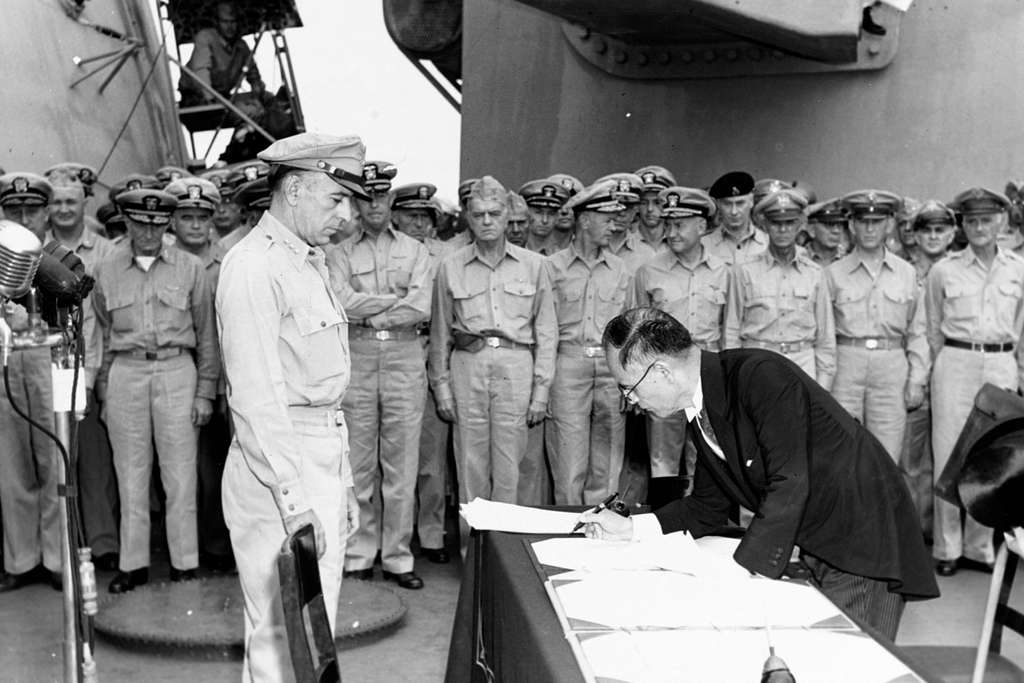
(20, 252)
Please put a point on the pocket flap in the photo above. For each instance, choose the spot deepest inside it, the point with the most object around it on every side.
(315, 319)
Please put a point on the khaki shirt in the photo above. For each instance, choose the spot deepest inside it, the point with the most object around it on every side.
(724, 246)
(219, 62)
(778, 302)
(225, 243)
(512, 299)
(91, 248)
(363, 268)
(966, 301)
(882, 305)
(168, 307)
(633, 251)
(285, 341)
(587, 295)
(694, 296)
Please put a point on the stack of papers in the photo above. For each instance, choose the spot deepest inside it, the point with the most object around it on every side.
(486, 515)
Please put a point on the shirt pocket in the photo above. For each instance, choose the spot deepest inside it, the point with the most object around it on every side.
(758, 307)
(362, 276)
(961, 303)
(710, 303)
(611, 298)
(851, 308)
(896, 312)
(802, 303)
(398, 281)
(470, 304)
(119, 308)
(174, 315)
(569, 302)
(321, 333)
(517, 299)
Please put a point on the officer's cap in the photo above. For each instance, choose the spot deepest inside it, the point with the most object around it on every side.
(571, 183)
(135, 181)
(544, 193)
(655, 178)
(377, 176)
(253, 195)
(732, 184)
(866, 203)
(24, 189)
(979, 200)
(487, 189)
(683, 202)
(244, 172)
(807, 189)
(74, 171)
(783, 204)
(629, 186)
(464, 188)
(767, 186)
(219, 178)
(934, 212)
(828, 211)
(194, 193)
(340, 157)
(149, 206)
(516, 207)
(602, 196)
(414, 196)
(108, 214)
(168, 174)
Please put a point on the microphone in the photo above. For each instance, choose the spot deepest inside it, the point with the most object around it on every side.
(20, 253)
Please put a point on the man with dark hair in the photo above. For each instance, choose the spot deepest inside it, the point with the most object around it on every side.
(219, 57)
(773, 440)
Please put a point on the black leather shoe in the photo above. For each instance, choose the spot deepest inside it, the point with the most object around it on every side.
(436, 555)
(107, 562)
(405, 580)
(361, 574)
(945, 567)
(127, 581)
(10, 582)
(182, 575)
(974, 565)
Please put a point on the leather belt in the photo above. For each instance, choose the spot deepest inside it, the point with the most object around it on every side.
(577, 349)
(392, 334)
(871, 343)
(781, 347)
(980, 346)
(159, 354)
(474, 342)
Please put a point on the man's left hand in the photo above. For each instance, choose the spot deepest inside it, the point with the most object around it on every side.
(913, 395)
(202, 409)
(536, 414)
(352, 511)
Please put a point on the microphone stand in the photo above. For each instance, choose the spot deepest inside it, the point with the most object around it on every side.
(39, 335)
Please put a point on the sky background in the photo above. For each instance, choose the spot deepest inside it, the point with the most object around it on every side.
(352, 79)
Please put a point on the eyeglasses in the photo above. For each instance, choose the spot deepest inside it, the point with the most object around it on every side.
(627, 392)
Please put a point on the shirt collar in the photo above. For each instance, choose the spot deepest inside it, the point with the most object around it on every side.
(474, 253)
(166, 254)
(388, 230)
(698, 400)
(87, 240)
(771, 260)
(888, 260)
(295, 249)
(574, 254)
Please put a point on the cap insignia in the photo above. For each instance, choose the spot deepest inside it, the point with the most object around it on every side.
(784, 201)
(624, 186)
(251, 172)
(423, 192)
(175, 175)
(673, 200)
(648, 178)
(20, 184)
(195, 192)
(977, 193)
(567, 184)
(134, 184)
(734, 191)
(370, 172)
(548, 191)
(151, 202)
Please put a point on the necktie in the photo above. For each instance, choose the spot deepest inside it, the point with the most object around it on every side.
(704, 424)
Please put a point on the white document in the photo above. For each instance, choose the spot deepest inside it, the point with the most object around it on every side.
(486, 515)
(647, 600)
(736, 656)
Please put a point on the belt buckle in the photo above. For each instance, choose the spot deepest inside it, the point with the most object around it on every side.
(339, 416)
(871, 344)
(493, 342)
(784, 347)
(152, 355)
(382, 335)
(591, 351)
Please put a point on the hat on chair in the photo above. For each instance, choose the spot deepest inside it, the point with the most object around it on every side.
(991, 483)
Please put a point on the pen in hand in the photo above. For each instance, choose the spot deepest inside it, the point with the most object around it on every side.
(604, 504)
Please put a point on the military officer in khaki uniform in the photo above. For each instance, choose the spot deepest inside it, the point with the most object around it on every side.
(934, 225)
(625, 241)
(975, 305)
(28, 466)
(650, 227)
(382, 278)
(585, 434)
(882, 357)
(285, 346)
(737, 240)
(154, 306)
(518, 220)
(565, 224)
(826, 223)
(493, 303)
(689, 283)
(780, 300)
(544, 198)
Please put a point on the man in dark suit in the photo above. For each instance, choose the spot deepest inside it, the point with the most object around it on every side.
(773, 440)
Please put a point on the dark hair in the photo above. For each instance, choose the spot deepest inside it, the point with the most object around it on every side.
(641, 333)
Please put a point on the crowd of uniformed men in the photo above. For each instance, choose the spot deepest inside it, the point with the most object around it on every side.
(483, 323)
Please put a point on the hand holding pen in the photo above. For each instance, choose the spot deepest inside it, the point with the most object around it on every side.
(609, 521)
(603, 505)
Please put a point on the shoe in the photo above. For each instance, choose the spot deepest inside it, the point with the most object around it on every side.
(975, 565)
(436, 555)
(127, 581)
(178, 575)
(107, 562)
(361, 574)
(10, 582)
(218, 564)
(405, 580)
(946, 567)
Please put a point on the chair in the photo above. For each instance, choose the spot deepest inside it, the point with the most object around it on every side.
(952, 664)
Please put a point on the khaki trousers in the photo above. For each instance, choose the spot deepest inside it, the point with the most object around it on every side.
(433, 471)
(257, 534)
(870, 384)
(534, 477)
